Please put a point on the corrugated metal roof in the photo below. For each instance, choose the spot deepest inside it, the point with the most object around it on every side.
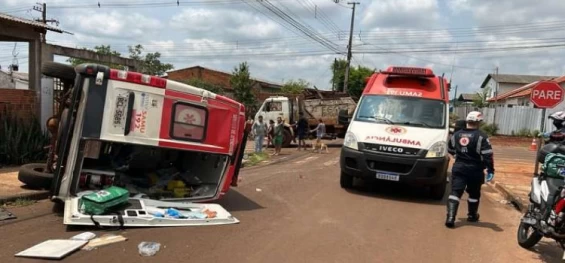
(515, 79)
(468, 96)
(28, 22)
(519, 79)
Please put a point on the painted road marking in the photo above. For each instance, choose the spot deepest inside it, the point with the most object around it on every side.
(311, 158)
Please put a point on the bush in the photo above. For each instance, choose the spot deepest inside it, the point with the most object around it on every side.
(525, 133)
(21, 141)
(489, 129)
(453, 118)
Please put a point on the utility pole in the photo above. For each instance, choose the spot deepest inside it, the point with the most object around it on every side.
(455, 97)
(495, 96)
(333, 76)
(43, 9)
(345, 82)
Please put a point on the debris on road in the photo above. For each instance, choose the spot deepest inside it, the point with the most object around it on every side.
(504, 202)
(86, 236)
(148, 249)
(5, 214)
(52, 249)
(104, 240)
(258, 190)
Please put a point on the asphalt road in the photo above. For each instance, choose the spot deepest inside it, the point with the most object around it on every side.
(301, 214)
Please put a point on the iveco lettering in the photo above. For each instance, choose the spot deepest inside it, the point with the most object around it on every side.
(403, 110)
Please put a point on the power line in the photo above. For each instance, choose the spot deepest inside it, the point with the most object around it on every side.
(302, 28)
(320, 15)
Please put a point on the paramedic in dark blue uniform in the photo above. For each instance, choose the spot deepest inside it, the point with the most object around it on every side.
(473, 153)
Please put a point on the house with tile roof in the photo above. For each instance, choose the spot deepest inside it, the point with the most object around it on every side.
(520, 97)
(499, 84)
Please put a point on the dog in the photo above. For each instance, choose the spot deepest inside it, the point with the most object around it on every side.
(320, 146)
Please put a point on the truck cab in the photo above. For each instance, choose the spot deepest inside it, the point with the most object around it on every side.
(399, 131)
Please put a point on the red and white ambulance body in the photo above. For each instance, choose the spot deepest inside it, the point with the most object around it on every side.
(399, 130)
(147, 123)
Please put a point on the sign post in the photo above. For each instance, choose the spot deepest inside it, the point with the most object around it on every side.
(545, 94)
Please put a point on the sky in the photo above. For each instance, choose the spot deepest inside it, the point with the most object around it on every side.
(463, 39)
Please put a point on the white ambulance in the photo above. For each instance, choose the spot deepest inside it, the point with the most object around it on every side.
(399, 130)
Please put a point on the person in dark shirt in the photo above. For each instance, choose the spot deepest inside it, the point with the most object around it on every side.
(473, 153)
(301, 131)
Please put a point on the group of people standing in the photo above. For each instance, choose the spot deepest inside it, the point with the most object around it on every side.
(274, 132)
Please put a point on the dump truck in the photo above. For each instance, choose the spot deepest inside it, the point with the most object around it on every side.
(335, 109)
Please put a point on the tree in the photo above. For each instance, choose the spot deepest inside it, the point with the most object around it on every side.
(295, 87)
(150, 64)
(102, 50)
(243, 87)
(481, 99)
(338, 70)
(206, 85)
(357, 80)
(357, 76)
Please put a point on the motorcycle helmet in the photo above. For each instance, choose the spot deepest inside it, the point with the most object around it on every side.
(547, 149)
(551, 147)
(558, 119)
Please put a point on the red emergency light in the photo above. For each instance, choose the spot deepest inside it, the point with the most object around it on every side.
(138, 78)
(409, 71)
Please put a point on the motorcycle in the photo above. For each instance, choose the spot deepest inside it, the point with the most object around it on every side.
(545, 216)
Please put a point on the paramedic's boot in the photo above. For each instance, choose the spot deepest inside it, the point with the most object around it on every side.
(473, 215)
(452, 206)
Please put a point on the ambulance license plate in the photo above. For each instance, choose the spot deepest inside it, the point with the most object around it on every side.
(388, 177)
(119, 112)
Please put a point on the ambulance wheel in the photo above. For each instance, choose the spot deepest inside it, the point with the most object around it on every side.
(33, 175)
(346, 181)
(437, 192)
(61, 71)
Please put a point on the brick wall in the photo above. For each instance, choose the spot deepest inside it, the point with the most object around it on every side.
(22, 103)
(213, 77)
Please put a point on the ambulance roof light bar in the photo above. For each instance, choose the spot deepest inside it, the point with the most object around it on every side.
(138, 78)
(409, 71)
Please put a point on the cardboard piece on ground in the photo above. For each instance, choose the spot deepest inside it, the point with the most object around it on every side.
(52, 249)
(104, 240)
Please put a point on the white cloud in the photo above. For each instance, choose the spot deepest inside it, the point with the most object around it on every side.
(112, 24)
(224, 23)
(401, 14)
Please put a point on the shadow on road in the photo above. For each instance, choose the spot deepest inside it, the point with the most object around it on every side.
(548, 251)
(463, 223)
(397, 192)
(235, 201)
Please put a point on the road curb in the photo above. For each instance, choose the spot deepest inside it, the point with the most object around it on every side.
(520, 204)
(29, 196)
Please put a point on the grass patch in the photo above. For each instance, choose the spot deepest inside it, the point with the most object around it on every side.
(256, 158)
(21, 202)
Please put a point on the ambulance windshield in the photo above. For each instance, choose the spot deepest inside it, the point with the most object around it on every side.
(402, 110)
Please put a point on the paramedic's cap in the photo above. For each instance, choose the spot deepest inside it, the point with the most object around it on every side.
(474, 116)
